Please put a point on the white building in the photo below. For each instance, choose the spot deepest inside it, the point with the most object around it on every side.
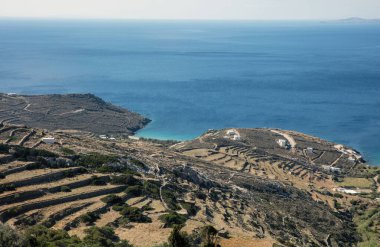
(310, 150)
(231, 132)
(103, 137)
(48, 140)
(136, 138)
(351, 159)
(282, 143)
(236, 138)
(347, 191)
(335, 169)
(331, 168)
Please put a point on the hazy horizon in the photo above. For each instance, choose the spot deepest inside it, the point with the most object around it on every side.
(191, 10)
(183, 20)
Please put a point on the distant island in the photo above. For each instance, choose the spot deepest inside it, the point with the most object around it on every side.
(357, 20)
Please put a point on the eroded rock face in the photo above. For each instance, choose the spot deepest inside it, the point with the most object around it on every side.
(188, 173)
(84, 112)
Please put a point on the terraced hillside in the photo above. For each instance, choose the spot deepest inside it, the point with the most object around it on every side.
(258, 152)
(69, 112)
(247, 193)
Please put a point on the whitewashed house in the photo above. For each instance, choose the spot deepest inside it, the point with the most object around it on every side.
(236, 138)
(346, 191)
(282, 143)
(331, 168)
(351, 159)
(231, 132)
(136, 138)
(335, 169)
(48, 140)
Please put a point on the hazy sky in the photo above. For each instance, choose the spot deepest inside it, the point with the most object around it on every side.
(192, 9)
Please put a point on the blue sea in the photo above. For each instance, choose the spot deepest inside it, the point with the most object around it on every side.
(321, 78)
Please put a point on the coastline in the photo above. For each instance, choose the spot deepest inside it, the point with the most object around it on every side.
(144, 127)
(147, 132)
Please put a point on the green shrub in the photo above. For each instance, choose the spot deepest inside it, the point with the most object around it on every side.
(89, 218)
(67, 151)
(112, 199)
(103, 237)
(337, 205)
(337, 195)
(201, 195)
(134, 191)
(126, 179)
(107, 169)
(148, 188)
(12, 138)
(147, 207)
(34, 166)
(118, 169)
(7, 187)
(26, 221)
(10, 237)
(4, 148)
(95, 160)
(172, 219)
(152, 188)
(170, 199)
(191, 208)
(95, 180)
(118, 207)
(127, 170)
(14, 211)
(65, 189)
(24, 153)
(133, 214)
(178, 238)
(69, 173)
(41, 236)
(208, 236)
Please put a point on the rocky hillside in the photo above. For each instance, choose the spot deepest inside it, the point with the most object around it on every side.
(139, 186)
(248, 187)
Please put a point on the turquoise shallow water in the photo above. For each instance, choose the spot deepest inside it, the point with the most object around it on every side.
(319, 78)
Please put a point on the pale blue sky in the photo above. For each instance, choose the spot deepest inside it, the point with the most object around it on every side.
(191, 9)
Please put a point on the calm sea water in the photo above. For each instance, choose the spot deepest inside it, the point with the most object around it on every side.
(319, 78)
